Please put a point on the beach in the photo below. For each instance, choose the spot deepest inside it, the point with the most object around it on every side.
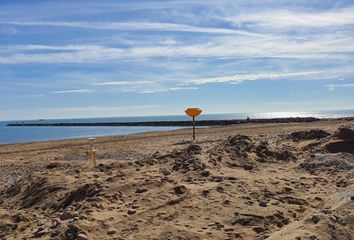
(248, 181)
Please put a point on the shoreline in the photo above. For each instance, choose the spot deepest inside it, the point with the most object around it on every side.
(186, 129)
(201, 123)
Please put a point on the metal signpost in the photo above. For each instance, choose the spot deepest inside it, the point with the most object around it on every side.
(193, 112)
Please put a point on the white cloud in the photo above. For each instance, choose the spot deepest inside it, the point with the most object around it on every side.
(332, 87)
(133, 26)
(80, 112)
(253, 76)
(290, 19)
(327, 46)
(121, 83)
(171, 89)
(73, 91)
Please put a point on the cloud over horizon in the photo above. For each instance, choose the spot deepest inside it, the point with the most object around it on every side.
(179, 53)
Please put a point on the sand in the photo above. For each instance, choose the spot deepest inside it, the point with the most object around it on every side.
(251, 181)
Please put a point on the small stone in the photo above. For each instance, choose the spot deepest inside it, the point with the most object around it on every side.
(131, 211)
(315, 219)
(179, 190)
(66, 215)
(70, 209)
(352, 198)
(263, 204)
(220, 189)
(248, 167)
(53, 165)
(287, 189)
(40, 233)
(165, 172)
(97, 205)
(55, 222)
(141, 190)
(258, 229)
(82, 236)
(279, 224)
(78, 206)
(18, 218)
(205, 173)
(111, 231)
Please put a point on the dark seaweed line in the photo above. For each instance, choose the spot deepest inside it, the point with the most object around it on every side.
(166, 123)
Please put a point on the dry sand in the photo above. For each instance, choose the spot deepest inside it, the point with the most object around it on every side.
(252, 181)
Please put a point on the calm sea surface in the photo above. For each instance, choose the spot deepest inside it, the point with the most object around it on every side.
(35, 134)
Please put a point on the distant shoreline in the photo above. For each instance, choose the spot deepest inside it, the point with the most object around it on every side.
(174, 123)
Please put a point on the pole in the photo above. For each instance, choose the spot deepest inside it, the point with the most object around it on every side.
(93, 152)
(193, 129)
(94, 158)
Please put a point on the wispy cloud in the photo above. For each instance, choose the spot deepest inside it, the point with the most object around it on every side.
(249, 77)
(121, 83)
(134, 26)
(157, 86)
(291, 19)
(332, 87)
(87, 111)
(73, 91)
(171, 89)
(323, 46)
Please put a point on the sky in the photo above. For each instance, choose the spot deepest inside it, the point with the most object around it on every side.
(76, 59)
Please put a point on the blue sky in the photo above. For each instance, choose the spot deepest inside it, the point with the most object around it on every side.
(68, 59)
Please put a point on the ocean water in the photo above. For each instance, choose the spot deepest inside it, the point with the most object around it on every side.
(10, 135)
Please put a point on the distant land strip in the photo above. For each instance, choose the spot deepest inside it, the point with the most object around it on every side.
(168, 123)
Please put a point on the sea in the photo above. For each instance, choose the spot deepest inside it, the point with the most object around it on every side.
(10, 135)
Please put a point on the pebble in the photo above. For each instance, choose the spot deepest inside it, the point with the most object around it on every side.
(263, 204)
(18, 218)
(258, 229)
(78, 206)
(165, 172)
(75, 214)
(131, 211)
(315, 219)
(141, 190)
(82, 236)
(55, 222)
(111, 231)
(66, 215)
(180, 190)
(40, 233)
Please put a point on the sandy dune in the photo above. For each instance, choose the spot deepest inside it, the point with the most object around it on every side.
(252, 181)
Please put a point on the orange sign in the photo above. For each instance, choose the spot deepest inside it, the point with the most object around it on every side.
(193, 112)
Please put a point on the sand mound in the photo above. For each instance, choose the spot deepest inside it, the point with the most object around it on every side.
(186, 160)
(32, 192)
(79, 194)
(242, 151)
(345, 142)
(341, 146)
(344, 133)
(328, 163)
(40, 192)
(309, 135)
